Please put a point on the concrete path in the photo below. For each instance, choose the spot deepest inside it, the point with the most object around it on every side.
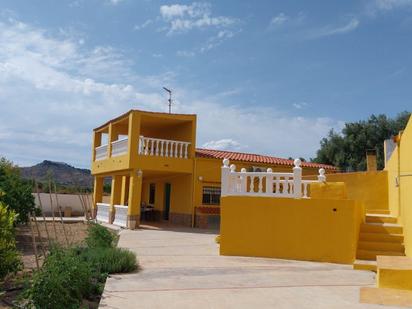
(181, 268)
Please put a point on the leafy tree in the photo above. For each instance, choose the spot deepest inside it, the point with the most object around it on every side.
(9, 256)
(347, 150)
(18, 191)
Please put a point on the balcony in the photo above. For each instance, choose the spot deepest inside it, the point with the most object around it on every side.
(149, 146)
(119, 147)
(101, 152)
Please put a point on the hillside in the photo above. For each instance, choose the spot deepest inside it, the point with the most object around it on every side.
(62, 173)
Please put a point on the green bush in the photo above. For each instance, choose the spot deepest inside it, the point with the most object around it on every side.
(100, 237)
(110, 260)
(9, 256)
(18, 191)
(63, 281)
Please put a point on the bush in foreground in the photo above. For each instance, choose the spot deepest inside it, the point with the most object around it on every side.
(63, 281)
(70, 275)
(100, 237)
(9, 256)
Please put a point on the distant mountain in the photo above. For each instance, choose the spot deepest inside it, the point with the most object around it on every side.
(61, 173)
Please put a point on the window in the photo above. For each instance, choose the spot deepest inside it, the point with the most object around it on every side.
(152, 193)
(211, 196)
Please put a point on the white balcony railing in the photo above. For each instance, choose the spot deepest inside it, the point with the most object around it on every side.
(101, 152)
(120, 216)
(162, 147)
(102, 212)
(289, 185)
(120, 147)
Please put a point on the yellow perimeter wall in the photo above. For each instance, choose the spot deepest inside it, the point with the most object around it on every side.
(371, 188)
(303, 229)
(399, 167)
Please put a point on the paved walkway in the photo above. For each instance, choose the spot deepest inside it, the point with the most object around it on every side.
(181, 268)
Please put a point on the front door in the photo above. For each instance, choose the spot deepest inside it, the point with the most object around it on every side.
(167, 201)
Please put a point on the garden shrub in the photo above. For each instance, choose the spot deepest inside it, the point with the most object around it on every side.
(100, 237)
(9, 256)
(63, 281)
(110, 260)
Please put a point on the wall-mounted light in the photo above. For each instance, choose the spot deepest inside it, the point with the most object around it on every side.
(200, 178)
(139, 173)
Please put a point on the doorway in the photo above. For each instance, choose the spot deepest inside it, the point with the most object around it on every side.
(166, 211)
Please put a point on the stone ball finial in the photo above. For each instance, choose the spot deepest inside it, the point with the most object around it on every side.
(232, 167)
(269, 170)
(225, 162)
(243, 170)
(297, 162)
(322, 171)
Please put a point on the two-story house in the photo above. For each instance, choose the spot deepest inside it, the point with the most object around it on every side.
(158, 174)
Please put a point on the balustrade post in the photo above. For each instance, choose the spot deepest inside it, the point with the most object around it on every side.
(269, 181)
(243, 181)
(297, 179)
(225, 177)
(321, 177)
(232, 179)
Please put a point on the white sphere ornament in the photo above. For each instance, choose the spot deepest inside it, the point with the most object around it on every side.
(225, 162)
(297, 162)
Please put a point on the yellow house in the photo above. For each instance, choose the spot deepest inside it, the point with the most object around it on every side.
(158, 174)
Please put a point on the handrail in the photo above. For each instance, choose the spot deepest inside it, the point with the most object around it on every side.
(150, 146)
(269, 183)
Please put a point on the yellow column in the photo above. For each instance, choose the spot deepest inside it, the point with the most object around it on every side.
(125, 190)
(115, 196)
(135, 195)
(97, 193)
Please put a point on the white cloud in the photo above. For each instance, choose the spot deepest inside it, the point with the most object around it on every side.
(223, 144)
(386, 5)
(300, 105)
(279, 19)
(54, 91)
(115, 2)
(333, 30)
(181, 18)
(185, 53)
(143, 25)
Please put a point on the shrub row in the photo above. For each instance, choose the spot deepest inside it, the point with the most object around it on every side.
(70, 275)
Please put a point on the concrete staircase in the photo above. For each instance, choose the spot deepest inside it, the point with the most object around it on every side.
(379, 235)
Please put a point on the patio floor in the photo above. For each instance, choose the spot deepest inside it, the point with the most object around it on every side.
(181, 268)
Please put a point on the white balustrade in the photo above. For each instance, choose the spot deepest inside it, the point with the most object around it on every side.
(120, 147)
(289, 185)
(149, 146)
(101, 152)
(102, 212)
(120, 216)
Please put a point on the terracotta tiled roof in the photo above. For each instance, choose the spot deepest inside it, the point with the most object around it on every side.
(254, 158)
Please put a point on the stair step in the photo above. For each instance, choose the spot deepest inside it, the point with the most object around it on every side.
(365, 265)
(380, 218)
(379, 211)
(381, 228)
(381, 237)
(385, 296)
(363, 254)
(381, 246)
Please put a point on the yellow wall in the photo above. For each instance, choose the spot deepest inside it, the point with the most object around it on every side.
(181, 192)
(368, 187)
(302, 229)
(400, 197)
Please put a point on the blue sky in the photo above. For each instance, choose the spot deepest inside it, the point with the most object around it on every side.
(268, 77)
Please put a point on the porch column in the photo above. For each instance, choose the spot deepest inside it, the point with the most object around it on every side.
(135, 195)
(97, 194)
(115, 196)
(125, 190)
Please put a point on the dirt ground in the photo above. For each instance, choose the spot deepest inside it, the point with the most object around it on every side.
(56, 232)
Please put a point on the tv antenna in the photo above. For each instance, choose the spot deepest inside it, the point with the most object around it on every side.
(170, 99)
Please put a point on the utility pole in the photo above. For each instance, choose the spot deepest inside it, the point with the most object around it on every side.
(170, 99)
